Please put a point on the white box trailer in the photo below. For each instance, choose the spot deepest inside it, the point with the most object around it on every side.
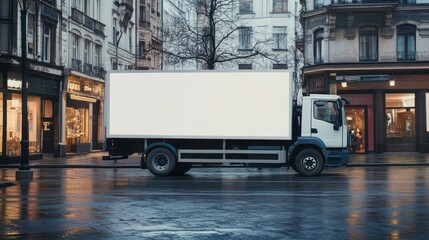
(176, 119)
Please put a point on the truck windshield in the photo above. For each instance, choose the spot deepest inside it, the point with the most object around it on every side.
(326, 111)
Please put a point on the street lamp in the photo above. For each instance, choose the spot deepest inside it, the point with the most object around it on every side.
(24, 171)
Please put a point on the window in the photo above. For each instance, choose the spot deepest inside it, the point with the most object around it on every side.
(141, 49)
(97, 55)
(245, 38)
(318, 38)
(244, 66)
(76, 4)
(87, 52)
(130, 39)
(279, 6)
(142, 13)
(368, 44)
(326, 111)
(114, 32)
(14, 113)
(246, 6)
(406, 42)
(47, 38)
(97, 10)
(279, 66)
(318, 4)
(279, 36)
(86, 7)
(75, 46)
(30, 23)
(4, 36)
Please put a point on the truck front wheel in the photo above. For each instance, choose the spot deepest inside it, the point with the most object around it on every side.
(309, 162)
(161, 162)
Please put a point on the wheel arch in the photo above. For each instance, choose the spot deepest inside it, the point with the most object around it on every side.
(155, 145)
(306, 143)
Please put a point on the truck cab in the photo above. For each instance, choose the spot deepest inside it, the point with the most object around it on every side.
(323, 118)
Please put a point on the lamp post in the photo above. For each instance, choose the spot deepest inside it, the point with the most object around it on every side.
(24, 171)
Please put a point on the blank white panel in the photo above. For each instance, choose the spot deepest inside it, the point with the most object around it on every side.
(207, 104)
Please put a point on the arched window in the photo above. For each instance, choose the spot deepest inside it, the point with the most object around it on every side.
(368, 44)
(406, 42)
(318, 38)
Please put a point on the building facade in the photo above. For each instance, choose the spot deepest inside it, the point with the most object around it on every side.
(44, 78)
(271, 24)
(149, 34)
(267, 26)
(376, 55)
(83, 52)
(120, 36)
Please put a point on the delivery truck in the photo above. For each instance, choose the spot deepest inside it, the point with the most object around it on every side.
(246, 118)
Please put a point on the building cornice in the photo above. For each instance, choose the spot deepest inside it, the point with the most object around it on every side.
(368, 67)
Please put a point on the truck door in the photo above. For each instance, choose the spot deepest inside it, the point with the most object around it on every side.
(327, 123)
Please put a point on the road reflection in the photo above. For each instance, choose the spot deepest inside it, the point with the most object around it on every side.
(350, 203)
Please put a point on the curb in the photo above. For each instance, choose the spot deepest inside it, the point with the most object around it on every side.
(71, 166)
(386, 164)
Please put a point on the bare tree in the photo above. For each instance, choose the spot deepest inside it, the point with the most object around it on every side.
(211, 37)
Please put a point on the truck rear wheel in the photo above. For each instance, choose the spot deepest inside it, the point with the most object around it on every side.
(309, 162)
(161, 162)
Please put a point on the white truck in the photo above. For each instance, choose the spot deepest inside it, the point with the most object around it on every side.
(248, 118)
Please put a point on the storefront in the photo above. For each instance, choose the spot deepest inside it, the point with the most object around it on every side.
(43, 92)
(388, 111)
(83, 114)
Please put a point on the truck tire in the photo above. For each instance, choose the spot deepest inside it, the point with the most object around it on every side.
(161, 162)
(309, 162)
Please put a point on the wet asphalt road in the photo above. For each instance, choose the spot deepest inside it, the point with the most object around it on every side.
(217, 203)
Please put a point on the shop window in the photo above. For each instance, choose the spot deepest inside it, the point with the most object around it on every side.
(14, 124)
(356, 124)
(400, 120)
(77, 125)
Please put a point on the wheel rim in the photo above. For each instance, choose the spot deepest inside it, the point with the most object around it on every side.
(160, 161)
(309, 163)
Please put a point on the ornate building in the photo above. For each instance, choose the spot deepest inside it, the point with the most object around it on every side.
(149, 34)
(375, 54)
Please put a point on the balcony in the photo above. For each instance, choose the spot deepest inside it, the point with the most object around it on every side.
(88, 22)
(98, 72)
(76, 65)
(87, 68)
